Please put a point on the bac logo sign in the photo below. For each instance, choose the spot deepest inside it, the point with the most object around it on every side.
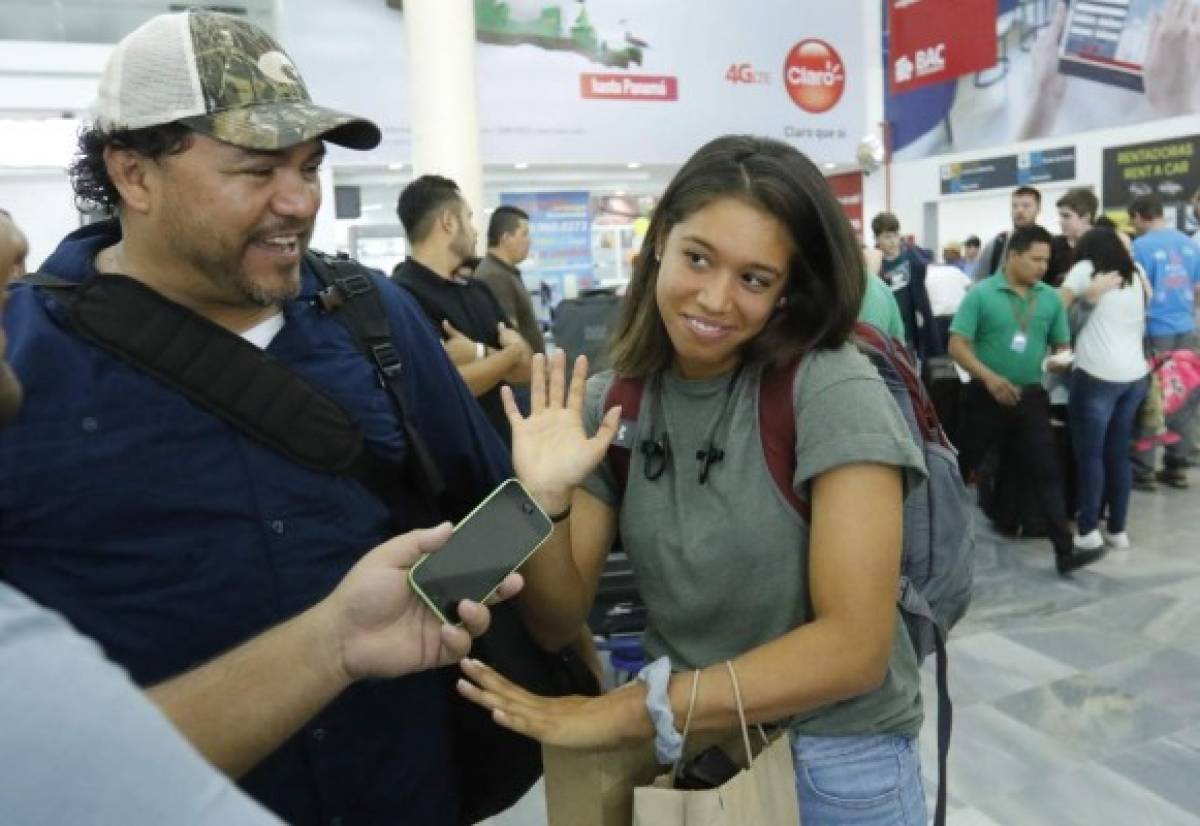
(814, 75)
(930, 61)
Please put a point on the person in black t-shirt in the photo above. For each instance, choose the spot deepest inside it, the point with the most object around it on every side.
(1077, 211)
(904, 271)
(486, 351)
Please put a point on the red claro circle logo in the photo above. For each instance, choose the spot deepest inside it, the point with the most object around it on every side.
(814, 75)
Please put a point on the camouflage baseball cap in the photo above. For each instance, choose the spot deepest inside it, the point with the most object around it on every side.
(223, 77)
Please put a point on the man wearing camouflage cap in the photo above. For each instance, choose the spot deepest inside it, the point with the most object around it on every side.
(154, 525)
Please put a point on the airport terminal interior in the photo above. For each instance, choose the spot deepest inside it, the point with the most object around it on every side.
(1017, 180)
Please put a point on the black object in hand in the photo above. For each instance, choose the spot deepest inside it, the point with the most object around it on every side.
(707, 770)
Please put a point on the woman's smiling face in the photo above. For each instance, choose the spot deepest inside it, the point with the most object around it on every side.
(721, 274)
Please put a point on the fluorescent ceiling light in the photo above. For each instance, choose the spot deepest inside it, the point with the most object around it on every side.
(396, 166)
(633, 165)
(521, 165)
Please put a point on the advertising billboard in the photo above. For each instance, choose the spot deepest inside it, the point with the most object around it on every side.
(1168, 169)
(1062, 69)
(610, 81)
(933, 41)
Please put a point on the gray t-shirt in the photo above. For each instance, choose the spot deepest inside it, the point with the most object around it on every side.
(81, 744)
(723, 566)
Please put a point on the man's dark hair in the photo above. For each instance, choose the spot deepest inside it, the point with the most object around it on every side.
(1083, 202)
(1106, 223)
(94, 189)
(1146, 207)
(422, 201)
(1023, 238)
(1030, 191)
(1105, 249)
(504, 220)
(884, 222)
(972, 241)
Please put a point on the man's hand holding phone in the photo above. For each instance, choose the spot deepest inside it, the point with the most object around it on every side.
(378, 627)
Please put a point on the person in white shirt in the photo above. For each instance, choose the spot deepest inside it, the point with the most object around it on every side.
(1108, 383)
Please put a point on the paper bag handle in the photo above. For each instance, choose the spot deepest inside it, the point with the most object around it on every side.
(687, 724)
(737, 695)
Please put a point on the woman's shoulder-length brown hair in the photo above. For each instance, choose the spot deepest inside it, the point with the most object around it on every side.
(826, 280)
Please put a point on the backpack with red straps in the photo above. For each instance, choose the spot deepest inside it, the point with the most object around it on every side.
(939, 543)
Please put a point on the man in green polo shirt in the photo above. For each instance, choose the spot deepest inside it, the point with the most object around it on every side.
(1001, 335)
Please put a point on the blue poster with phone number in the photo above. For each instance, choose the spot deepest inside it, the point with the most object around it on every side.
(560, 230)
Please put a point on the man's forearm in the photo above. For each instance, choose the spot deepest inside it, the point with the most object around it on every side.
(240, 707)
(482, 375)
(964, 356)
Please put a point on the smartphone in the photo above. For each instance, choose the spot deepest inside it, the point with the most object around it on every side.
(489, 544)
(1107, 40)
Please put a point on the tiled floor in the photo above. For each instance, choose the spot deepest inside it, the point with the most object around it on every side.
(1076, 701)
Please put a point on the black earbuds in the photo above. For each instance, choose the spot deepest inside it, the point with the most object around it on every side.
(708, 457)
(656, 453)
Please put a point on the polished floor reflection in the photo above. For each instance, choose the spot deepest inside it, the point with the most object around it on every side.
(1077, 701)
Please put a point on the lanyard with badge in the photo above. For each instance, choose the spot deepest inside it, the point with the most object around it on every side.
(1020, 339)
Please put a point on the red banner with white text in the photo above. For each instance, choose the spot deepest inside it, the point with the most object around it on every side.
(848, 188)
(932, 41)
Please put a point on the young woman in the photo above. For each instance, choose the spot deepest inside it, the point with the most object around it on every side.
(748, 265)
(1108, 382)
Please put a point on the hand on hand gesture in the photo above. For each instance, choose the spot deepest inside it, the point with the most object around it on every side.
(1173, 59)
(460, 348)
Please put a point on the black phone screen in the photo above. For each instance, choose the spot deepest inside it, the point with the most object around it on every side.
(485, 547)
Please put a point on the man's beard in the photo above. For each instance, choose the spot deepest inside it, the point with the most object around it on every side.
(224, 268)
(462, 248)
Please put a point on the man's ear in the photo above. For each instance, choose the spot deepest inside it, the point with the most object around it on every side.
(448, 220)
(131, 175)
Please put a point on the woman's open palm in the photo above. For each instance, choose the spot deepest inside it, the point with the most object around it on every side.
(551, 451)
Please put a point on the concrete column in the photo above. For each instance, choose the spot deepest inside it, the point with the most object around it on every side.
(443, 95)
(875, 185)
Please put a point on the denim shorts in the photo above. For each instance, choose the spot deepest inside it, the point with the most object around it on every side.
(860, 780)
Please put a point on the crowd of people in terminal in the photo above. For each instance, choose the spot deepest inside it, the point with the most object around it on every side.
(1071, 345)
(201, 448)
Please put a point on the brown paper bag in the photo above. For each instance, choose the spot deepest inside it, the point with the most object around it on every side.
(594, 787)
(761, 794)
(599, 787)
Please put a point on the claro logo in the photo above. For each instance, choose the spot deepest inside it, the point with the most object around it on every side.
(814, 75)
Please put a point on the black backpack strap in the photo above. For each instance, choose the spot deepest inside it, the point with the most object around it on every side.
(215, 368)
(912, 602)
(1000, 244)
(61, 286)
(351, 295)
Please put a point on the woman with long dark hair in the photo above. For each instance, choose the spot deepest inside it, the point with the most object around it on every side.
(749, 263)
(1108, 382)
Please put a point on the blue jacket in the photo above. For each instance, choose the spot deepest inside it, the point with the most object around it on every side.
(169, 536)
(906, 275)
